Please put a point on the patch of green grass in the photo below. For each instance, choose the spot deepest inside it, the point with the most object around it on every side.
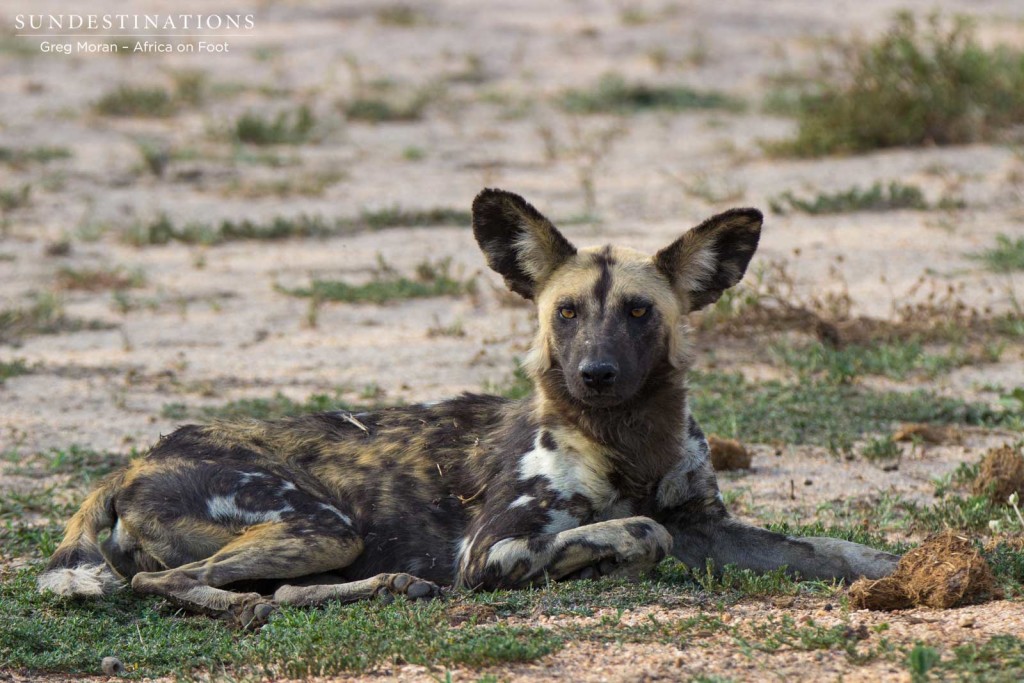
(45, 315)
(878, 197)
(1001, 658)
(163, 230)
(812, 411)
(15, 198)
(383, 108)
(920, 660)
(518, 385)
(432, 279)
(613, 94)
(287, 128)
(43, 633)
(99, 279)
(14, 368)
(127, 100)
(881, 448)
(272, 408)
(1007, 256)
(914, 85)
(19, 157)
(404, 16)
(897, 360)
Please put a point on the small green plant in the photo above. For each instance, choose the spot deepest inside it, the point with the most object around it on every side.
(21, 157)
(881, 449)
(13, 368)
(127, 100)
(915, 85)
(287, 128)
(878, 197)
(921, 660)
(272, 408)
(99, 279)
(386, 107)
(163, 230)
(45, 315)
(15, 198)
(1006, 256)
(612, 94)
(518, 385)
(403, 16)
(432, 279)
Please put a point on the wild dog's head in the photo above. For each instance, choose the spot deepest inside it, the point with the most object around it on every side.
(609, 316)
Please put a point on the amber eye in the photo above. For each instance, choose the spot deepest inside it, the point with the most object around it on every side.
(638, 312)
(567, 313)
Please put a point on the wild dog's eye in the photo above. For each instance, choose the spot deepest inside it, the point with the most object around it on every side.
(638, 311)
(567, 313)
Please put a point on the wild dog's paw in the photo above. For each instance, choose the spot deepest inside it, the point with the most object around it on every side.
(251, 613)
(409, 586)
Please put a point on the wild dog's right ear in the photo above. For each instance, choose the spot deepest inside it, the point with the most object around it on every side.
(520, 244)
(712, 257)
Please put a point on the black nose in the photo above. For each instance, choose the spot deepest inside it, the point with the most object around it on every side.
(599, 374)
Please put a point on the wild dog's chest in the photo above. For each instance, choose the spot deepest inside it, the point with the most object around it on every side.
(571, 484)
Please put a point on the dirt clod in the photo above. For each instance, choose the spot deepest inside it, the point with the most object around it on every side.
(944, 571)
(728, 454)
(1001, 474)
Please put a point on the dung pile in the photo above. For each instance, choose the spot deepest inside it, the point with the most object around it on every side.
(944, 571)
(1001, 474)
(728, 454)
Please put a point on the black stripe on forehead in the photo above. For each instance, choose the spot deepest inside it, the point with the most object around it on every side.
(604, 261)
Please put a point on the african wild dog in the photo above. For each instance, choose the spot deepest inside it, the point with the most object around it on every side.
(603, 471)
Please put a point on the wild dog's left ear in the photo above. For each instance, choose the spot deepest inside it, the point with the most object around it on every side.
(519, 242)
(712, 257)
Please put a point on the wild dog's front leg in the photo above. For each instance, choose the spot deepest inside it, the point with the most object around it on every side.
(620, 547)
(727, 541)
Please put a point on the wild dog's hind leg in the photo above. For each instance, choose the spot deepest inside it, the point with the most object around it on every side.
(619, 548)
(272, 550)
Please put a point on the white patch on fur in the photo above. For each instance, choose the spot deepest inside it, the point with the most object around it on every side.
(508, 552)
(566, 475)
(464, 553)
(520, 501)
(225, 509)
(87, 580)
(560, 520)
(699, 270)
(341, 515)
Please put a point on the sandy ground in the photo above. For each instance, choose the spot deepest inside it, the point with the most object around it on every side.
(209, 324)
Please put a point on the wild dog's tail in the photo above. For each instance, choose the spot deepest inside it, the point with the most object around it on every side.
(77, 567)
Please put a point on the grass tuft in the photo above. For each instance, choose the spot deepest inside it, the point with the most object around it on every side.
(432, 279)
(915, 85)
(612, 94)
(1006, 256)
(287, 128)
(878, 197)
(163, 230)
(20, 157)
(128, 100)
(45, 315)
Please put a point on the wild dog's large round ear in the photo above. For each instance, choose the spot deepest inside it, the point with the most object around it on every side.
(519, 242)
(712, 257)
